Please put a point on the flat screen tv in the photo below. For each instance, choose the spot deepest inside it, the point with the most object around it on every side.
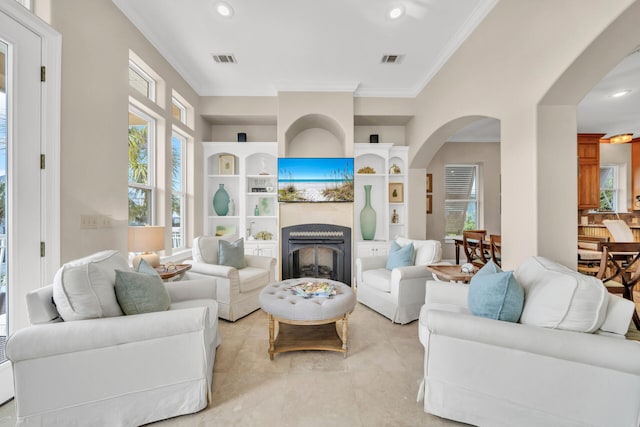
(315, 179)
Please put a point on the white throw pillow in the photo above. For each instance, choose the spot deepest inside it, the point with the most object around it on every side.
(557, 297)
(84, 288)
(425, 251)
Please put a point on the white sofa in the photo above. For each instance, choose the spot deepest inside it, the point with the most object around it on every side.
(237, 290)
(489, 372)
(397, 294)
(118, 370)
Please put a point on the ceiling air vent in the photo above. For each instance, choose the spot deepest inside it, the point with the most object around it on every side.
(391, 59)
(225, 59)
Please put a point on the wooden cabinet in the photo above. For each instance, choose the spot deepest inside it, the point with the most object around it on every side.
(589, 171)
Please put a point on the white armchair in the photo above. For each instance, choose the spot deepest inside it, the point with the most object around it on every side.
(237, 290)
(398, 293)
(488, 372)
(123, 370)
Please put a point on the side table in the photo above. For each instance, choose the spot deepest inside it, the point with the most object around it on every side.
(172, 271)
(452, 273)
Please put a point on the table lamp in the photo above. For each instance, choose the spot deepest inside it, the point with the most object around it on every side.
(145, 240)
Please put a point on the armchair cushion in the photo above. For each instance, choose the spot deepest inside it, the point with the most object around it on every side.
(83, 289)
(141, 292)
(495, 294)
(400, 256)
(231, 253)
(252, 278)
(379, 278)
(557, 297)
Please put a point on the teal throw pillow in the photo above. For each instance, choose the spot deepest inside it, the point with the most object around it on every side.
(141, 293)
(495, 294)
(144, 267)
(400, 256)
(231, 253)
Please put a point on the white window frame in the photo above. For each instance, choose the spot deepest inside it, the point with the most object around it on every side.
(615, 188)
(151, 166)
(478, 198)
(146, 77)
(181, 107)
(182, 194)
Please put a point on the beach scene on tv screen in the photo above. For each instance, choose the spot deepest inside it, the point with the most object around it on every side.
(315, 179)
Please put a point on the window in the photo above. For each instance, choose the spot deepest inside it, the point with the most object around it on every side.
(461, 199)
(608, 188)
(141, 167)
(178, 111)
(178, 190)
(142, 81)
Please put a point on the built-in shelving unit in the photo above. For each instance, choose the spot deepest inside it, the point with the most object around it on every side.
(251, 183)
(390, 165)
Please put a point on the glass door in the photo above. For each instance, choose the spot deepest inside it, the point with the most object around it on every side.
(20, 179)
(4, 329)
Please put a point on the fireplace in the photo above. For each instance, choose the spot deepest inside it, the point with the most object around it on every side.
(317, 250)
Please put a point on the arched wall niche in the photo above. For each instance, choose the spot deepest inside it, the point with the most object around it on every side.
(315, 135)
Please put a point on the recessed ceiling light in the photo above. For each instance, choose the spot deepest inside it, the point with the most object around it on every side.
(396, 12)
(621, 93)
(224, 9)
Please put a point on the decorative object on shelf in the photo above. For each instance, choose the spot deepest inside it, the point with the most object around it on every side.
(367, 169)
(232, 208)
(265, 206)
(223, 230)
(264, 235)
(226, 164)
(221, 201)
(256, 211)
(242, 137)
(429, 210)
(373, 139)
(396, 192)
(367, 217)
(394, 217)
(394, 169)
(429, 183)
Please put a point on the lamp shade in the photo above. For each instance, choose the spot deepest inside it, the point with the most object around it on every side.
(146, 238)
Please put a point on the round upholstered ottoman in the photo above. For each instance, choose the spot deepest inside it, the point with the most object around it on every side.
(307, 322)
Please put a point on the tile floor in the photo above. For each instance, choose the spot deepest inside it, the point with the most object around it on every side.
(375, 385)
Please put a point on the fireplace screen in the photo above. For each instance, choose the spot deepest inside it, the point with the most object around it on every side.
(317, 250)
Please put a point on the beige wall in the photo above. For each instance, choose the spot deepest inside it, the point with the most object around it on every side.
(487, 156)
(96, 39)
(528, 64)
(503, 70)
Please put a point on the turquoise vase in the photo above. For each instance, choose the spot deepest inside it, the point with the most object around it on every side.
(221, 201)
(367, 217)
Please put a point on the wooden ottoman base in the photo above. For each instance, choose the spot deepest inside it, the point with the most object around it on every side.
(294, 335)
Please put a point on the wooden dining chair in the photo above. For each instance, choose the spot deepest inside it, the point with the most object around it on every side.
(495, 247)
(620, 270)
(475, 248)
